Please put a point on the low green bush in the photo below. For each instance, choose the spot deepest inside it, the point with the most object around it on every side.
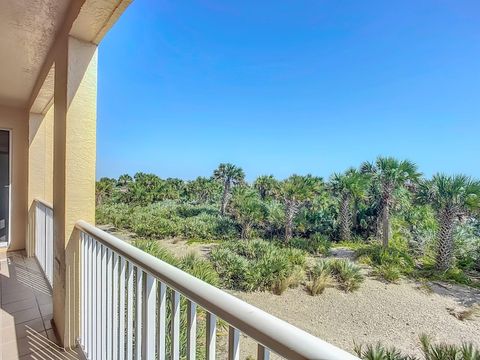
(346, 273)
(317, 244)
(430, 351)
(169, 219)
(258, 265)
(390, 263)
(320, 278)
(117, 215)
(199, 267)
(153, 248)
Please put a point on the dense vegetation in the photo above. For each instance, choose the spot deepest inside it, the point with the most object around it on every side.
(430, 351)
(398, 222)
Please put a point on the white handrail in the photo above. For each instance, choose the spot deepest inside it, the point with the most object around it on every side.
(281, 337)
(43, 237)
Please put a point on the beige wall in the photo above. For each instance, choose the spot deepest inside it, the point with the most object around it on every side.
(17, 121)
(73, 174)
(40, 168)
(40, 161)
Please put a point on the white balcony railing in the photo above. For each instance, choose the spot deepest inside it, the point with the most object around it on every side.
(43, 238)
(129, 298)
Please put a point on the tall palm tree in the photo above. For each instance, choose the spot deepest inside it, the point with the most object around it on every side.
(295, 192)
(229, 175)
(349, 187)
(451, 197)
(390, 175)
(265, 185)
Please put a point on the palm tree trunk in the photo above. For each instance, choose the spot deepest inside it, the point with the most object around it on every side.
(226, 190)
(289, 215)
(345, 218)
(385, 225)
(445, 240)
(355, 215)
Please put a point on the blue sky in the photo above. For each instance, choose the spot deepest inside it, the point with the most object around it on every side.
(282, 87)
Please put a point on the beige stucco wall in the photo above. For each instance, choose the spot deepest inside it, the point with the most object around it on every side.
(40, 161)
(73, 174)
(17, 121)
(40, 167)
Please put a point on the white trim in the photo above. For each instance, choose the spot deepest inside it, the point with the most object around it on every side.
(10, 160)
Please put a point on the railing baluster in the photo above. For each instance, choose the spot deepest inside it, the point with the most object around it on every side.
(109, 305)
(130, 313)
(233, 344)
(263, 353)
(121, 310)
(83, 295)
(115, 326)
(120, 319)
(49, 245)
(211, 336)
(162, 320)
(89, 295)
(175, 326)
(98, 305)
(149, 310)
(104, 302)
(191, 330)
(138, 315)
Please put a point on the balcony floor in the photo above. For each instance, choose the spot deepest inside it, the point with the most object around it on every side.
(26, 312)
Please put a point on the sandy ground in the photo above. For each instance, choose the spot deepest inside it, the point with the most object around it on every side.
(394, 314)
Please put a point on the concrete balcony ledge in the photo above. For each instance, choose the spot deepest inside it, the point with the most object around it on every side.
(26, 312)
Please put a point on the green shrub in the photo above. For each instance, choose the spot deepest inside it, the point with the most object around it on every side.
(389, 263)
(232, 268)
(199, 267)
(440, 351)
(379, 352)
(347, 274)
(118, 215)
(153, 248)
(258, 265)
(388, 272)
(316, 244)
(320, 278)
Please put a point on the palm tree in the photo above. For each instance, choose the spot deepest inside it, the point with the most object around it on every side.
(248, 209)
(349, 187)
(202, 190)
(124, 180)
(450, 197)
(265, 185)
(229, 175)
(390, 175)
(103, 189)
(295, 192)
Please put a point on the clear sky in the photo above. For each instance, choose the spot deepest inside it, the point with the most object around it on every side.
(281, 87)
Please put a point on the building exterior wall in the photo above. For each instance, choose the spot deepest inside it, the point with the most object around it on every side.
(17, 121)
(40, 157)
(40, 168)
(73, 174)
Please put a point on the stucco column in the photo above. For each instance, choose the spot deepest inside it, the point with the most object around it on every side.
(73, 174)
